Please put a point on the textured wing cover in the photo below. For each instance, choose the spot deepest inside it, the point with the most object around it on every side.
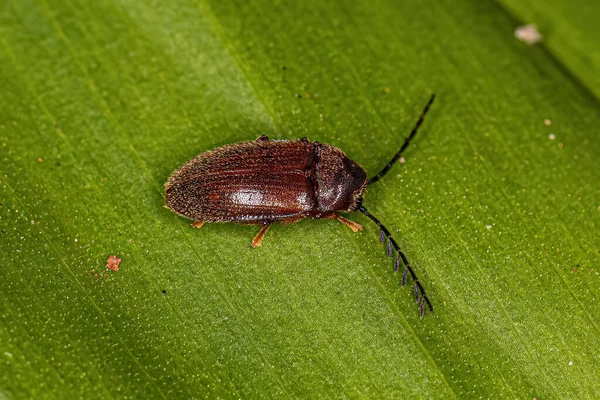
(245, 182)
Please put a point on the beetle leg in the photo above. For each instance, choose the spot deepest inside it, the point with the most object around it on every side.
(350, 224)
(262, 138)
(257, 241)
(197, 224)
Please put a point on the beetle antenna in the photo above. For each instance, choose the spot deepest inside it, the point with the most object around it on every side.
(405, 145)
(420, 296)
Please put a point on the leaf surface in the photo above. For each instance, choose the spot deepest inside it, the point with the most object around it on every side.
(498, 211)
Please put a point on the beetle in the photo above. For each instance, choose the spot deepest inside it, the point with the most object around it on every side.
(267, 181)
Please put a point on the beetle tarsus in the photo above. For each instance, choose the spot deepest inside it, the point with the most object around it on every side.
(257, 241)
(405, 145)
(350, 224)
(197, 224)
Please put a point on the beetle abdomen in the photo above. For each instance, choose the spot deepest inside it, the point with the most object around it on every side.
(245, 182)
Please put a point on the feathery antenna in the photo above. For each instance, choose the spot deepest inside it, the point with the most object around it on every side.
(420, 296)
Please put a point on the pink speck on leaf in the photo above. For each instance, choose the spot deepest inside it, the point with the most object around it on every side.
(528, 34)
(113, 263)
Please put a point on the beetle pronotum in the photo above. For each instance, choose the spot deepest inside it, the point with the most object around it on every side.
(266, 181)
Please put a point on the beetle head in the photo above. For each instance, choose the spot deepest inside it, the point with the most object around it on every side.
(340, 181)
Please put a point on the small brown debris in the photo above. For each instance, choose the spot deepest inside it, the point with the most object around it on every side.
(528, 34)
(547, 122)
(113, 263)
(40, 159)
(387, 89)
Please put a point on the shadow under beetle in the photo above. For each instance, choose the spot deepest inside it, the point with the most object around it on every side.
(267, 181)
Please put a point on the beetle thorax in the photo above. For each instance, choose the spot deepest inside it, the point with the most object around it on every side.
(339, 182)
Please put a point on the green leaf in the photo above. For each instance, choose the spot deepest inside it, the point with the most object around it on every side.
(498, 212)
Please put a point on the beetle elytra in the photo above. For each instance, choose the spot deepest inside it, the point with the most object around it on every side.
(267, 181)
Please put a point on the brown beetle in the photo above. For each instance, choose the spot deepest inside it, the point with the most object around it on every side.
(267, 181)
